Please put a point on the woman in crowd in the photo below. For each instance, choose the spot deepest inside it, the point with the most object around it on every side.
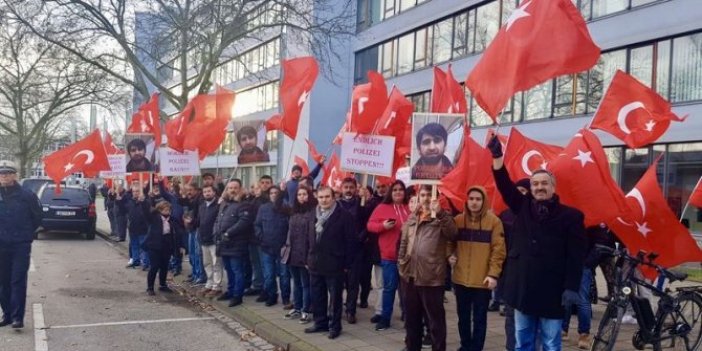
(386, 221)
(300, 233)
(164, 239)
(271, 228)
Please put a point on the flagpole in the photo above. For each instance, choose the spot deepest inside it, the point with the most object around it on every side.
(687, 204)
(575, 93)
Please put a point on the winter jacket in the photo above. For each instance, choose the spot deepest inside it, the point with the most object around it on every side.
(545, 256)
(479, 246)
(424, 248)
(388, 238)
(20, 215)
(204, 222)
(291, 185)
(330, 252)
(156, 240)
(255, 204)
(232, 227)
(301, 235)
(137, 215)
(120, 207)
(271, 227)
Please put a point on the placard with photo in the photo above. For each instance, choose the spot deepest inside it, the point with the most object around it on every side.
(250, 142)
(436, 140)
(140, 152)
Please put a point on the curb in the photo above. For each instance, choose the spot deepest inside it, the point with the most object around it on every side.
(249, 319)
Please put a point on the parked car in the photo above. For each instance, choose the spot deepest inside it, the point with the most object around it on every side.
(71, 210)
(34, 184)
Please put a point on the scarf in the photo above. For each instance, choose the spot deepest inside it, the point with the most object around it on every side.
(322, 217)
(542, 209)
(166, 225)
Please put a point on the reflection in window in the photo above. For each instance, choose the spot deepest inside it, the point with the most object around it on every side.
(685, 169)
(663, 68)
(537, 101)
(605, 7)
(261, 98)
(636, 162)
(421, 53)
(460, 35)
(601, 75)
(487, 25)
(641, 64)
(686, 83)
(563, 101)
(388, 52)
(405, 52)
(441, 41)
(614, 158)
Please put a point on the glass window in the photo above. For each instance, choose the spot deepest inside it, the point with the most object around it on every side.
(405, 4)
(641, 64)
(563, 101)
(605, 7)
(405, 53)
(508, 7)
(487, 25)
(685, 170)
(537, 101)
(663, 68)
(388, 8)
(614, 158)
(441, 41)
(460, 35)
(635, 3)
(584, 6)
(388, 52)
(478, 117)
(636, 162)
(420, 48)
(686, 82)
(601, 75)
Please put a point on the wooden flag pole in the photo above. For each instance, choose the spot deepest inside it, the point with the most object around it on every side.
(434, 196)
(364, 183)
(141, 181)
(151, 181)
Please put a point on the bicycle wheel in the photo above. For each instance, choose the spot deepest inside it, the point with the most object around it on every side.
(682, 329)
(608, 330)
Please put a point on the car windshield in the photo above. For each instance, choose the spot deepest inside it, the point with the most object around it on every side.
(68, 196)
(34, 185)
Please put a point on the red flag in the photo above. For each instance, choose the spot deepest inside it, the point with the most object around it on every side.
(396, 121)
(455, 91)
(344, 128)
(207, 130)
(524, 155)
(440, 97)
(583, 180)
(696, 196)
(501, 137)
(110, 147)
(176, 128)
(134, 177)
(474, 167)
(299, 75)
(147, 120)
(316, 156)
(87, 155)
(542, 39)
(333, 175)
(633, 112)
(302, 163)
(367, 104)
(652, 226)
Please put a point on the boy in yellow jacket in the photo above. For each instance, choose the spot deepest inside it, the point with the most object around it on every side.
(476, 257)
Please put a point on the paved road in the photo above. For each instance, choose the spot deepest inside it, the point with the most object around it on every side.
(82, 298)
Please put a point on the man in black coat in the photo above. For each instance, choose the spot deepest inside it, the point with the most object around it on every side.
(203, 223)
(231, 230)
(109, 204)
(545, 259)
(20, 216)
(328, 259)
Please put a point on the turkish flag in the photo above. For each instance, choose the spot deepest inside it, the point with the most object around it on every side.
(176, 128)
(141, 177)
(344, 128)
(333, 175)
(207, 130)
(633, 112)
(583, 180)
(299, 75)
(696, 196)
(500, 137)
(474, 167)
(396, 121)
(652, 226)
(368, 102)
(524, 155)
(110, 147)
(87, 155)
(447, 95)
(302, 163)
(542, 39)
(147, 120)
(316, 156)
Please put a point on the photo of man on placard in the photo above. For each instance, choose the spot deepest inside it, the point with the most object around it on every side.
(251, 141)
(432, 154)
(140, 153)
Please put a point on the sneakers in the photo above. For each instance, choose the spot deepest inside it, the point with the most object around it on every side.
(427, 342)
(377, 318)
(292, 314)
(584, 342)
(382, 325)
(306, 318)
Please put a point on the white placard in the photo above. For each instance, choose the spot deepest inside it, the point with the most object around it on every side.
(403, 174)
(370, 154)
(118, 164)
(174, 163)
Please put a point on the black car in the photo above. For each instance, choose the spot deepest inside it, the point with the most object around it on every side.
(34, 184)
(71, 210)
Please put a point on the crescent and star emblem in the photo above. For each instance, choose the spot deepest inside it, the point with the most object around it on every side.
(525, 161)
(89, 157)
(626, 110)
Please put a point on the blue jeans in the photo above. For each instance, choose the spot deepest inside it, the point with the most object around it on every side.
(526, 327)
(301, 288)
(253, 277)
(272, 269)
(14, 265)
(234, 266)
(391, 279)
(136, 253)
(195, 258)
(584, 307)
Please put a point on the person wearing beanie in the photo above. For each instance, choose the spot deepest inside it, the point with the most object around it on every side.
(290, 187)
(476, 258)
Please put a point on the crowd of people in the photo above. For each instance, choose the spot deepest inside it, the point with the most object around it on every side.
(320, 251)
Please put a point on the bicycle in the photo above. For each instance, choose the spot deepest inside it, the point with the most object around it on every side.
(676, 324)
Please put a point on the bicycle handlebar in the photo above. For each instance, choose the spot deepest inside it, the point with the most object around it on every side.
(642, 258)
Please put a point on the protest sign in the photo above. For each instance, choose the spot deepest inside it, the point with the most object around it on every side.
(369, 154)
(174, 163)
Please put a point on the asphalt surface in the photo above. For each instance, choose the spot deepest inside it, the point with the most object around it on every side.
(81, 297)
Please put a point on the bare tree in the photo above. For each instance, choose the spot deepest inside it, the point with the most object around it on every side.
(179, 41)
(40, 89)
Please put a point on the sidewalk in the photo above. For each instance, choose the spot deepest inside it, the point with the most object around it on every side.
(269, 324)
